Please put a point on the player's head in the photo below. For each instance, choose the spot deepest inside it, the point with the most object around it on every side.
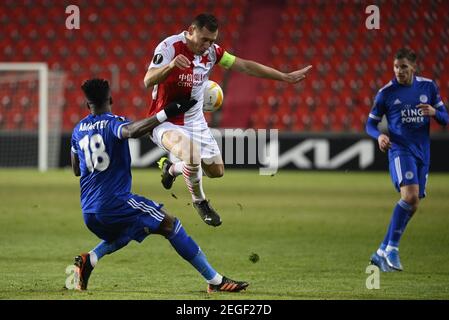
(202, 33)
(405, 65)
(98, 95)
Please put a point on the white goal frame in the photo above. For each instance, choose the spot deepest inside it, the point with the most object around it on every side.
(42, 69)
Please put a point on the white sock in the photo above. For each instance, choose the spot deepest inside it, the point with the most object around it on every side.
(193, 176)
(390, 248)
(216, 280)
(176, 168)
(93, 258)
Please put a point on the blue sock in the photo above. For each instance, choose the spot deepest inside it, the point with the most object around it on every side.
(401, 216)
(202, 265)
(190, 251)
(384, 243)
(104, 247)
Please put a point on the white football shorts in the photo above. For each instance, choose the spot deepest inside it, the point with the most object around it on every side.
(202, 137)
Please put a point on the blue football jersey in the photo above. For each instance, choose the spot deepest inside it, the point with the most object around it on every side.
(408, 128)
(105, 163)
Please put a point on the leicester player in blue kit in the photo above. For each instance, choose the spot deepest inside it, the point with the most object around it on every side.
(100, 155)
(408, 102)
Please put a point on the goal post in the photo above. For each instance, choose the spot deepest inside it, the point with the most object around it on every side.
(45, 91)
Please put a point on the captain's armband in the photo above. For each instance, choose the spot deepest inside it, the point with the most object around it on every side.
(227, 60)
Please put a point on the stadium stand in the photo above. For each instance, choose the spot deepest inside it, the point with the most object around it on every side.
(350, 62)
(116, 41)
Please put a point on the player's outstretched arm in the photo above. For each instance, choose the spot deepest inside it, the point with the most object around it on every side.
(259, 70)
(158, 75)
(141, 127)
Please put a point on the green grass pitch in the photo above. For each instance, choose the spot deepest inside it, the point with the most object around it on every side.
(313, 232)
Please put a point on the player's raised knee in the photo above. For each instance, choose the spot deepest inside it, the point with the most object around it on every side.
(218, 172)
(412, 199)
(215, 171)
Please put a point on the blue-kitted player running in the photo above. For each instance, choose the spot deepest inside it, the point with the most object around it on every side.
(408, 102)
(100, 155)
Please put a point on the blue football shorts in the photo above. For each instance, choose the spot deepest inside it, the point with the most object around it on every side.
(406, 170)
(138, 218)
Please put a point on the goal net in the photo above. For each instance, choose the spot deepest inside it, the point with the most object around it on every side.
(31, 102)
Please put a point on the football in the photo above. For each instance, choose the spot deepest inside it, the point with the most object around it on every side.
(213, 97)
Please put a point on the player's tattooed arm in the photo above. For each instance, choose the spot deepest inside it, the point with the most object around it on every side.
(256, 69)
(75, 164)
(142, 127)
(158, 75)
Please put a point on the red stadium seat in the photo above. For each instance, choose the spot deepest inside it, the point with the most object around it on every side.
(350, 63)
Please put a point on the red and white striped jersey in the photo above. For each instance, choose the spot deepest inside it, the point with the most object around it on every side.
(183, 84)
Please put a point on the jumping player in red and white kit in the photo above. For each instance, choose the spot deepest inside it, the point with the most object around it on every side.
(180, 68)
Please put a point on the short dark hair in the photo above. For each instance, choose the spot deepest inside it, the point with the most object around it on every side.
(96, 91)
(406, 53)
(206, 20)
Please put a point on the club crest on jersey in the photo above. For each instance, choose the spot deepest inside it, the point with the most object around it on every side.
(423, 98)
(409, 175)
(204, 60)
(158, 58)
